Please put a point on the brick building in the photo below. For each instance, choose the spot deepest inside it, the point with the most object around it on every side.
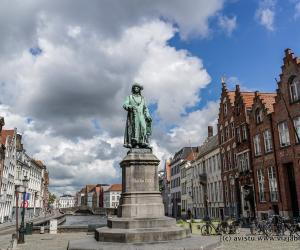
(286, 124)
(264, 159)
(235, 149)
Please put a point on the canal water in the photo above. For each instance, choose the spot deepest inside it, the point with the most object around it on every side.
(84, 220)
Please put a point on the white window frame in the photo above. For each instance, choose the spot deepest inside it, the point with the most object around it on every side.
(284, 135)
(297, 128)
(268, 141)
(273, 184)
(244, 132)
(261, 185)
(225, 108)
(256, 144)
(258, 115)
(295, 90)
(232, 129)
(238, 134)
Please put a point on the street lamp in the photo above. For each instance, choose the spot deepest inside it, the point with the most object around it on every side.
(22, 227)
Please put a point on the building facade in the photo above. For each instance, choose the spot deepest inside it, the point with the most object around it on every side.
(112, 196)
(178, 161)
(66, 201)
(286, 125)
(264, 159)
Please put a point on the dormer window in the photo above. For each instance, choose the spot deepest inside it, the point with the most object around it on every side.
(295, 89)
(238, 109)
(258, 116)
(225, 108)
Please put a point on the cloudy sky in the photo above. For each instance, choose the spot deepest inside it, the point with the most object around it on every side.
(67, 65)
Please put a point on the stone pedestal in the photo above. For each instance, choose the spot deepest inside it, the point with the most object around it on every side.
(141, 210)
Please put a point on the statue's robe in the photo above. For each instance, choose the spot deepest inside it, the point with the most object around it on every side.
(137, 130)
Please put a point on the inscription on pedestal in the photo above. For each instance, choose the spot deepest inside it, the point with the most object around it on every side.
(142, 180)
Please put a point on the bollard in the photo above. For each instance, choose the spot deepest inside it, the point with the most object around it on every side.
(53, 226)
(42, 230)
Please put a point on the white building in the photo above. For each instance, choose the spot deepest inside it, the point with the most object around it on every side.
(7, 189)
(112, 196)
(35, 202)
(66, 201)
(207, 181)
(177, 163)
(16, 165)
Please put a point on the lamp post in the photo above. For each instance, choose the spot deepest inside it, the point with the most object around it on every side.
(22, 227)
(17, 187)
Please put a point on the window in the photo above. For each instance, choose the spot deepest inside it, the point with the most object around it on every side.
(224, 162)
(229, 159)
(238, 109)
(261, 186)
(222, 137)
(238, 134)
(268, 141)
(273, 184)
(227, 133)
(243, 162)
(232, 129)
(216, 192)
(225, 108)
(297, 128)
(295, 90)
(258, 115)
(284, 136)
(226, 193)
(257, 148)
(244, 132)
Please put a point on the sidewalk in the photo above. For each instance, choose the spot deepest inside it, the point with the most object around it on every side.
(10, 225)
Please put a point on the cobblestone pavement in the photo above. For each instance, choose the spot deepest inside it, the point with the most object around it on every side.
(242, 241)
(5, 241)
(50, 241)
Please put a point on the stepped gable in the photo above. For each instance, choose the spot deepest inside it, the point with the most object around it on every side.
(5, 133)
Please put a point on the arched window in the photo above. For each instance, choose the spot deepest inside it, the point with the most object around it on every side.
(258, 115)
(295, 89)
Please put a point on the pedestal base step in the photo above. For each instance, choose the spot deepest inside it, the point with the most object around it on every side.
(134, 223)
(141, 235)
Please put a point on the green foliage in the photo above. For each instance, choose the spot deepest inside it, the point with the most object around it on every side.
(52, 198)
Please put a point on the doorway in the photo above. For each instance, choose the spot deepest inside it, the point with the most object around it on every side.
(292, 189)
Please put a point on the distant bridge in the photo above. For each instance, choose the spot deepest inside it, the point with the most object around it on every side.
(86, 210)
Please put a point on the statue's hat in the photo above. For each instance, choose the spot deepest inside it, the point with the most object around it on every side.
(137, 85)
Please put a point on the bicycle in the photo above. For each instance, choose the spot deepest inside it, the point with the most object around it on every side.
(259, 227)
(221, 228)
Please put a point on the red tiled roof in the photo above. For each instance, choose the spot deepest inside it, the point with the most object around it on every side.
(231, 95)
(115, 187)
(248, 98)
(268, 99)
(5, 133)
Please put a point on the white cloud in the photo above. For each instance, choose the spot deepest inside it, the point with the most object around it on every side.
(227, 24)
(87, 64)
(265, 14)
(297, 9)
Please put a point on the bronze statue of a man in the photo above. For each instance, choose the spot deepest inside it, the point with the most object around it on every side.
(138, 124)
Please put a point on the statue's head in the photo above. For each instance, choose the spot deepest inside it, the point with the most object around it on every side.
(136, 88)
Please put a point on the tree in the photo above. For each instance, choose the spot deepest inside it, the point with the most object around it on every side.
(52, 198)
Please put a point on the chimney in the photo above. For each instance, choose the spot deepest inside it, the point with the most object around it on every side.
(210, 130)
